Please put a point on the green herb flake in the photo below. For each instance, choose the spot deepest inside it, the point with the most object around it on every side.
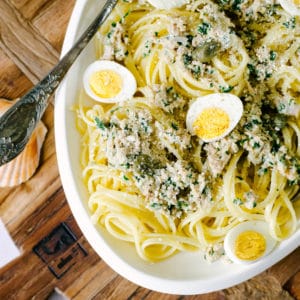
(182, 204)
(211, 252)
(125, 16)
(174, 126)
(100, 124)
(187, 59)
(196, 70)
(190, 38)
(204, 28)
(273, 55)
(255, 122)
(248, 126)
(237, 201)
(155, 205)
(226, 89)
(281, 107)
(236, 5)
(109, 34)
(262, 171)
(256, 145)
(290, 24)
(252, 70)
(169, 90)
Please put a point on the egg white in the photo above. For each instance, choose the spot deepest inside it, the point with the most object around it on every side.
(290, 7)
(129, 84)
(258, 226)
(229, 103)
(167, 4)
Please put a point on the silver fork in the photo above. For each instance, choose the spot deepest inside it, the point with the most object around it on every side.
(18, 123)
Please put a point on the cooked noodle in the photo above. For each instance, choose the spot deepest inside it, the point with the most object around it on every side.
(260, 158)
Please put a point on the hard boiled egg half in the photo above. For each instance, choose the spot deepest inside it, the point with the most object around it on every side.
(109, 82)
(214, 116)
(167, 4)
(248, 242)
(291, 6)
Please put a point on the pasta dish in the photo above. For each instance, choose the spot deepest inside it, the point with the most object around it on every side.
(156, 175)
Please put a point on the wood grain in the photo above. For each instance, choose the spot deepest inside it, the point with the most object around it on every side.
(13, 82)
(54, 32)
(33, 54)
(29, 9)
(293, 285)
(36, 213)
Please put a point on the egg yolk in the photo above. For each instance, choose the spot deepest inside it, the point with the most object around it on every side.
(106, 83)
(211, 122)
(250, 245)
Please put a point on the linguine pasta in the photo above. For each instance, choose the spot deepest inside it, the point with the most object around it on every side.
(153, 184)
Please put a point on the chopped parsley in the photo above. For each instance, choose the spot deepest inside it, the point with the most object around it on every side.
(125, 16)
(148, 46)
(204, 28)
(182, 204)
(100, 124)
(252, 70)
(256, 145)
(237, 201)
(273, 55)
(236, 5)
(187, 59)
(174, 126)
(226, 89)
(290, 24)
(155, 205)
(109, 34)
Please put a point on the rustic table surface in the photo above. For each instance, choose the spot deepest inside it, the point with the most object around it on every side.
(36, 213)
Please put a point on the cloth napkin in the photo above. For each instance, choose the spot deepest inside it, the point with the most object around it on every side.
(8, 249)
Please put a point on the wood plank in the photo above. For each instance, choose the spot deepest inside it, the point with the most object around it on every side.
(211, 296)
(54, 32)
(28, 8)
(140, 293)
(293, 285)
(88, 285)
(13, 83)
(13, 285)
(33, 54)
(286, 268)
(118, 288)
(145, 294)
(40, 282)
(18, 205)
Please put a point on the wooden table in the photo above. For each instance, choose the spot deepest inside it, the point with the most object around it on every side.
(36, 213)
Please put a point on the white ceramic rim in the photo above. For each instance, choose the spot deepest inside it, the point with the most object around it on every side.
(163, 285)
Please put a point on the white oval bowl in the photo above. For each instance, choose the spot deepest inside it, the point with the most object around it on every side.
(185, 273)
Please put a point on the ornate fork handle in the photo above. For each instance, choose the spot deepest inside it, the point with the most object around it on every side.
(18, 123)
